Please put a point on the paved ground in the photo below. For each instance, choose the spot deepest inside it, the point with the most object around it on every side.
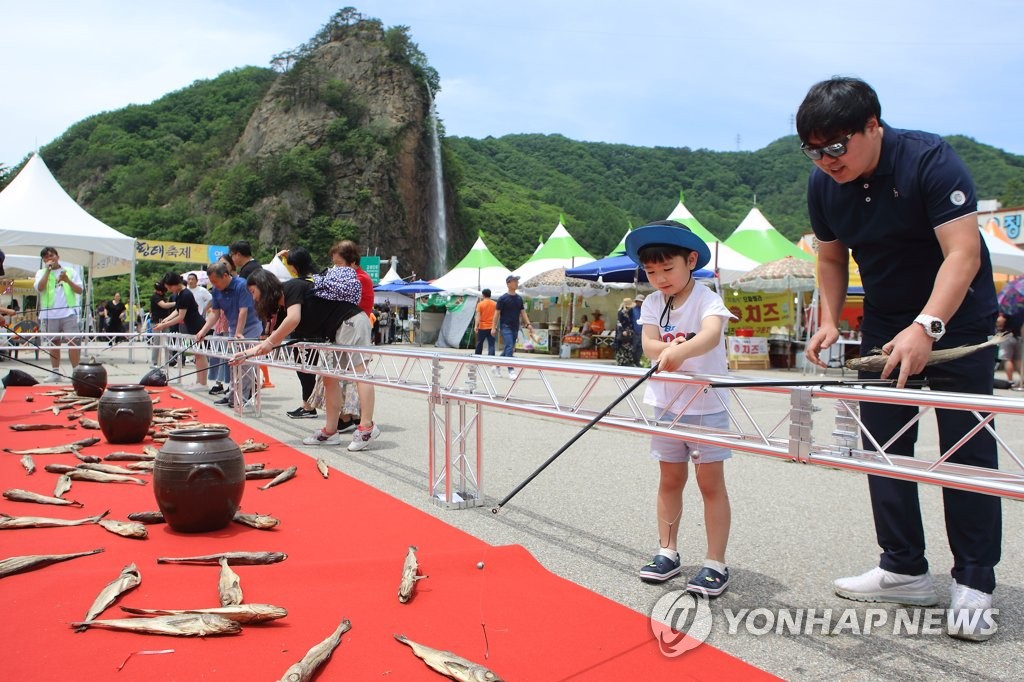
(590, 518)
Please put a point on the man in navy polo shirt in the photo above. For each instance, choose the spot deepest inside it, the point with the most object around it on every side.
(904, 203)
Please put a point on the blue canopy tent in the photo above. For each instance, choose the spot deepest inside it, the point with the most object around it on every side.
(619, 269)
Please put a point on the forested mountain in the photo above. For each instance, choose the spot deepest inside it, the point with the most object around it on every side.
(333, 142)
(514, 187)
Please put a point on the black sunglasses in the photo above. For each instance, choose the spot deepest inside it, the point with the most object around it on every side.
(835, 150)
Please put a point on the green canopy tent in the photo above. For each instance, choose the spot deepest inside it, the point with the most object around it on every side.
(756, 238)
(726, 262)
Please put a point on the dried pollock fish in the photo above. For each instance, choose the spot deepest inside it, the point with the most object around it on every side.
(304, 670)
(409, 578)
(449, 664)
(59, 468)
(250, 445)
(126, 529)
(29, 464)
(105, 468)
(8, 522)
(19, 495)
(56, 449)
(875, 362)
(149, 517)
(245, 614)
(263, 473)
(31, 562)
(62, 485)
(89, 423)
(257, 521)
(77, 474)
(236, 558)
(129, 457)
(129, 579)
(286, 475)
(40, 427)
(88, 459)
(321, 466)
(186, 625)
(229, 586)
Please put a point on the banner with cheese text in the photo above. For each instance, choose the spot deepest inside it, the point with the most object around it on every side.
(760, 311)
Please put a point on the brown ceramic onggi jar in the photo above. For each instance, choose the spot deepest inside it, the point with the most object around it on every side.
(125, 413)
(198, 479)
(89, 378)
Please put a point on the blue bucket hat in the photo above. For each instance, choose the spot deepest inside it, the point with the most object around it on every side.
(667, 232)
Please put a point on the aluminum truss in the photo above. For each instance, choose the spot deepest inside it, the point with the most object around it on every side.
(456, 388)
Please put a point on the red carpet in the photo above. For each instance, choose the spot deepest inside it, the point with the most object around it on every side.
(345, 543)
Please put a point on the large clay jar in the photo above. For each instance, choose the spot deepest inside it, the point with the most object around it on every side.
(125, 413)
(198, 479)
(89, 378)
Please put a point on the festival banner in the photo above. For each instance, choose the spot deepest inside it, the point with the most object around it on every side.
(168, 252)
(760, 311)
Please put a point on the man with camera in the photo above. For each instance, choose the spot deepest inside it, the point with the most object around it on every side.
(59, 289)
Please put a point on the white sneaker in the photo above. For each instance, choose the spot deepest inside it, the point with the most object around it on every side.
(497, 371)
(360, 438)
(54, 378)
(321, 438)
(970, 615)
(885, 586)
(512, 374)
(197, 388)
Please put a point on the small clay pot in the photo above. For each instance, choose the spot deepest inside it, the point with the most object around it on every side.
(198, 479)
(125, 413)
(89, 378)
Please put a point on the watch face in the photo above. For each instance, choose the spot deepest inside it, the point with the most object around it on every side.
(936, 326)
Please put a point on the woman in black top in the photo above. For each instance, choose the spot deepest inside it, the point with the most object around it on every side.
(293, 292)
(186, 314)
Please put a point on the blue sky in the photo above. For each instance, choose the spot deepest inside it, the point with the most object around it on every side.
(722, 75)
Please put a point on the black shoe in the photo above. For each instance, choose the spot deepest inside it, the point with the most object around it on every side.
(173, 363)
(219, 388)
(302, 413)
(347, 426)
(223, 401)
(708, 582)
(660, 569)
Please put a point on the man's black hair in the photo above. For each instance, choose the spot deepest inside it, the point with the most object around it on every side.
(836, 107)
(486, 293)
(241, 247)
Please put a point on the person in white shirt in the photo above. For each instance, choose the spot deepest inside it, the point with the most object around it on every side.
(683, 330)
(59, 291)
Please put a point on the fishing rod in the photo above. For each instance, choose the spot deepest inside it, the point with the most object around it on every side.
(914, 383)
(647, 375)
(228, 362)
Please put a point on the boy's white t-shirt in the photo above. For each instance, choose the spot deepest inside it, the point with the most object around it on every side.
(702, 302)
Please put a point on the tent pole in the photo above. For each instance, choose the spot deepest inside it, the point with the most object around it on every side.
(131, 308)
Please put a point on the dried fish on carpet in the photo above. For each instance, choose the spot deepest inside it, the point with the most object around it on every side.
(186, 625)
(304, 670)
(129, 579)
(32, 562)
(449, 664)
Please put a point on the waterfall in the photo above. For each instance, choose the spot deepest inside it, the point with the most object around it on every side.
(437, 224)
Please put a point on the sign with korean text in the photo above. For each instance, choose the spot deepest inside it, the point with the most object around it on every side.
(746, 345)
(371, 264)
(760, 311)
(177, 252)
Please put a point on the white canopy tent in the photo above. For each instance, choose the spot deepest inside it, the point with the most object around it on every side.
(35, 212)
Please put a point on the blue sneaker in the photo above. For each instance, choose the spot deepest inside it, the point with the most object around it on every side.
(660, 569)
(708, 582)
